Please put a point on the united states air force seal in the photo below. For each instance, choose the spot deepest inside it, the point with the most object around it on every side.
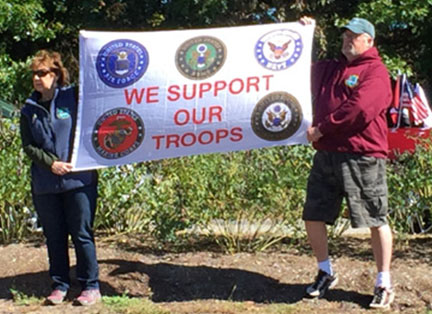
(117, 133)
(279, 49)
(121, 62)
(200, 57)
(276, 117)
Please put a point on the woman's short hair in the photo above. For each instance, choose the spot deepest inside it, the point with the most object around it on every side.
(53, 61)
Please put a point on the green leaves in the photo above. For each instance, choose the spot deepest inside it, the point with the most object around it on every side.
(410, 192)
(168, 196)
(15, 199)
(263, 189)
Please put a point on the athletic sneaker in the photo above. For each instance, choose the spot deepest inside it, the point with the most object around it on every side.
(323, 282)
(382, 298)
(56, 297)
(89, 297)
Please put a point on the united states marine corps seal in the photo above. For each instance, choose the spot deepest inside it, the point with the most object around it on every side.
(279, 49)
(121, 62)
(200, 57)
(276, 116)
(117, 133)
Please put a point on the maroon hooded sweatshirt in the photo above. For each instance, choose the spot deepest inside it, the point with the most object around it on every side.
(350, 104)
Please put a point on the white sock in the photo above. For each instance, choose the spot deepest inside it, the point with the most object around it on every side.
(326, 266)
(383, 279)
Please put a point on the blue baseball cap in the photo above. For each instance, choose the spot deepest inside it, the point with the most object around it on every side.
(359, 26)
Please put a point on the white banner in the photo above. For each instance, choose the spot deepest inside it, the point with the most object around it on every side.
(153, 95)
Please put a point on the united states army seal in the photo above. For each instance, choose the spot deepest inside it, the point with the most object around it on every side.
(200, 57)
(117, 133)
(276, 117)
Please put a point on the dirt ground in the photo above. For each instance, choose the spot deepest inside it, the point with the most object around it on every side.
(199, 280)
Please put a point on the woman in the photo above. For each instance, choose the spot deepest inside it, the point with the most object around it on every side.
(64, 201)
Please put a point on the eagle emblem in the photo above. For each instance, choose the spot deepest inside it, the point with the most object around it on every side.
(279, 51)
(114, 139)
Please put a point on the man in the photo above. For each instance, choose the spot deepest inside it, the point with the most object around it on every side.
(349, 131)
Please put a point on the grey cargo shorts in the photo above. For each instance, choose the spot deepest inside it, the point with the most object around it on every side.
(360, 179)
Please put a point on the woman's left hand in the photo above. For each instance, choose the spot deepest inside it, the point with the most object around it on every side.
(61, 168)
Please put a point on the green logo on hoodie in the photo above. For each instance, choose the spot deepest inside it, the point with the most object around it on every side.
(352, 81)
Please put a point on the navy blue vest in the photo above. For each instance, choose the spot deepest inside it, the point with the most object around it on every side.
(53, 131)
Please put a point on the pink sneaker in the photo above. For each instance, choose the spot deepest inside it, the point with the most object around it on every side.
(56, 297)
(89, 297)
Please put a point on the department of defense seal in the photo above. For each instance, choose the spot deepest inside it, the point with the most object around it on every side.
(121, 62)
(279, 49)
(276, 117)
(200, 57)
(117, 133)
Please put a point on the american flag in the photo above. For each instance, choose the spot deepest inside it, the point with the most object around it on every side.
(415, 102)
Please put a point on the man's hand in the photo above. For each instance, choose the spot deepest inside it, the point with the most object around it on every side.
(306, 20)
(61, 168)
(313, 134)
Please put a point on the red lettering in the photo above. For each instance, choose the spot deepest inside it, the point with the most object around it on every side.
(158, 140)
(177, 119)
(235, 87)
(204, 87)
(134, 94)
(215, 111)
(138, 96)
(194, 116)
(267, 77)
(250, 83)
(172, 139)
(219, 86)
(221, 134)
(201, 136)
(191, 96)
(183, 116)
(152, 92)
(204, 138)
(236, 134)
(173, 93)
(185, 143)
(231, 89)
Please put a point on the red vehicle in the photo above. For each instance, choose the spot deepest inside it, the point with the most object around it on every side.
(402, 140)
(409, 117)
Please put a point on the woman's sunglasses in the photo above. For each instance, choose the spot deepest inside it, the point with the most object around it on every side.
(41, 73)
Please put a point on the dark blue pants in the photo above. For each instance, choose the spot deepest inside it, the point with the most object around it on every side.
(61, 214)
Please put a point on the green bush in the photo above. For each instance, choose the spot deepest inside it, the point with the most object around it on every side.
(15, 198)
(410, 190)
(174, 194)
(264, 188)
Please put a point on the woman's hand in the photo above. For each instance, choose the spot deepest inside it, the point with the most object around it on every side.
(61, 168)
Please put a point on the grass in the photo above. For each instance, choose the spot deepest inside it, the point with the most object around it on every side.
(21, 298)
(124, 304)
(110, 304)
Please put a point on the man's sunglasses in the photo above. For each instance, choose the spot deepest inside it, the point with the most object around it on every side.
(41, 73)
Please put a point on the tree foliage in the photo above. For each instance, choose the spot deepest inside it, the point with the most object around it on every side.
(403, 27)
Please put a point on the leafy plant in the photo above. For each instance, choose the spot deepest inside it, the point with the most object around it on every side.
(15, 199)
(21, 298)
(125, 304)
(410, 195)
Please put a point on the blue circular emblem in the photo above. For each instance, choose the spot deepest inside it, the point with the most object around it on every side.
(121, 62)
(278, 50)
